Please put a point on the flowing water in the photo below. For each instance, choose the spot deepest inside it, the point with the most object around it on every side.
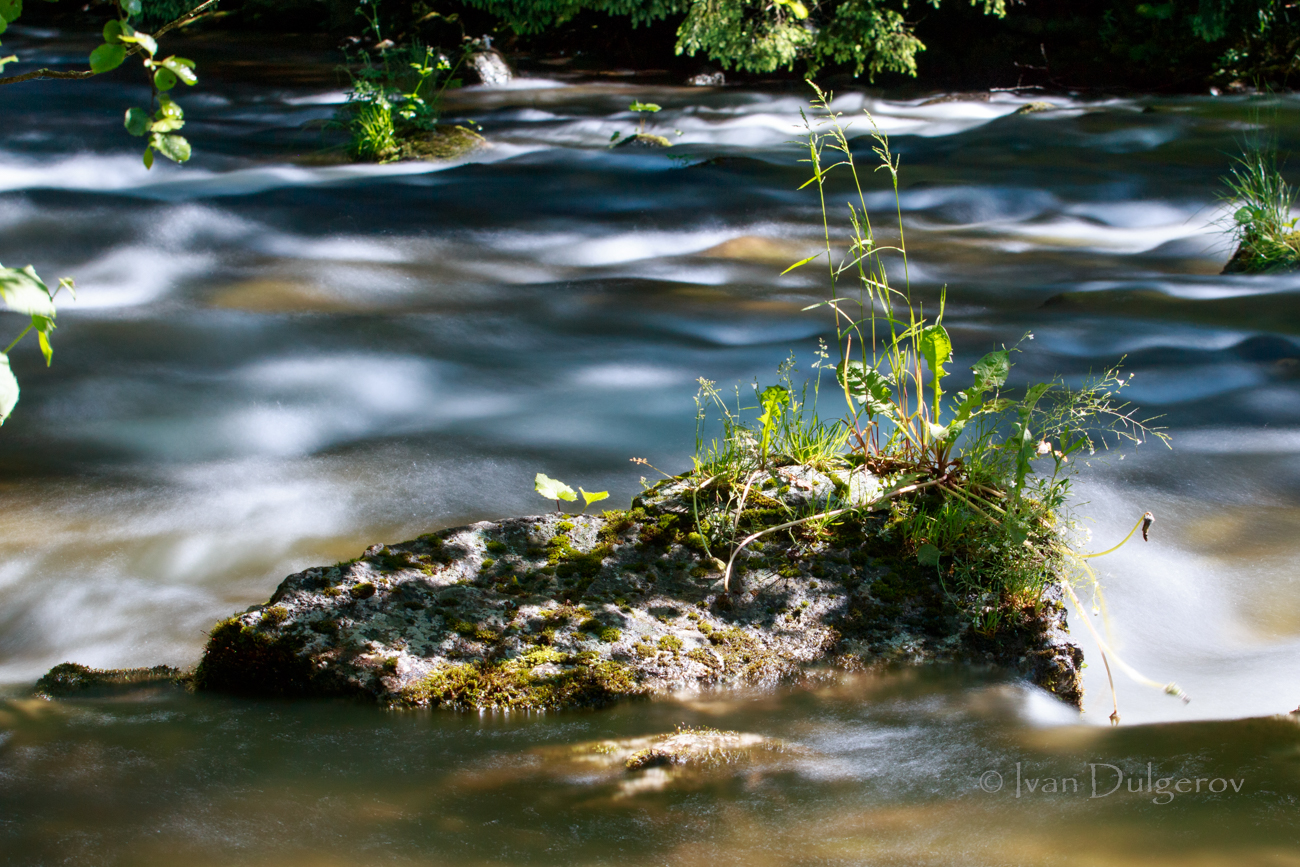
(272, 364)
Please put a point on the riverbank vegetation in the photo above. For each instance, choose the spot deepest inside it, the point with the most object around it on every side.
(965, 484)
(1177, 45)
(1261, 224)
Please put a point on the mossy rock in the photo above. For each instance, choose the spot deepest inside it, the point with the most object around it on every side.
(569, 611)
(445, 142)
(643, 140)
(70, 679)
(1247, 259)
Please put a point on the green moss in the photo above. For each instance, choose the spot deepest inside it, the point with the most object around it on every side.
(332, 592)
(274, 616)
(473, 631)
(645, 651)
(240, 659)
(69, 678)
(496, 546)
(512, 684)
(670, 642)
(488, 563)
(445, 142)
(703, 657)
(364, 590)
(564, 526)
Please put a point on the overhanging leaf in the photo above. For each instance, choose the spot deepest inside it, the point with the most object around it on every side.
(137, 121)
(174, 147)
(24, 292)
(107, 57)
(144, 40)
(164, 79)
(10, 10)
(181, 67)
(553, 489)
(8, 388)
(594, 496)
(928, 555)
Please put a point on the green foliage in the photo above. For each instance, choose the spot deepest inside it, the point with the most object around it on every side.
(554, 489)
(1254, 40)
(1261, 222)
(870, 36)
(393, 96)
(24, 292)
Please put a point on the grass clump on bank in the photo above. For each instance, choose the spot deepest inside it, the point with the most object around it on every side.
(391, 111)
(1261, 222)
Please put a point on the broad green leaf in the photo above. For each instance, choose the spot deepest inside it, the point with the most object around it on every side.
(46, 350)
(148, 157)
(133, 7)
(24, 292)
(137, 121)
(181, 67)
(868, 387)
(144, 40)
(594, 496)
(112, 31)
(928, 555)
(8, 388)
(168, 107)
(553, 489)
(174, 147)
(167, 124)
(4, 25)
(164, 79)
(991, 370)
(936, 348)
(643, 106)
(107, 57)
(10, 10)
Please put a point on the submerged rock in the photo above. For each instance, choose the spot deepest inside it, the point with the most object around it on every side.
(558, 610)
(70, 679)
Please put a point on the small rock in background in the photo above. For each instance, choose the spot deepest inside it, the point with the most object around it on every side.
(708, 79)
(490, 67)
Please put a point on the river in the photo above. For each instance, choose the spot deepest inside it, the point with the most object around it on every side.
(272, 364)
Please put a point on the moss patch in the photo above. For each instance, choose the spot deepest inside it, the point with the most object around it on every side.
(517, 684)
(244, 660)
(70, 679)
(446, 142)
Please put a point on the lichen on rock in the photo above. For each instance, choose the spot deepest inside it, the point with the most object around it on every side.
(557, 611)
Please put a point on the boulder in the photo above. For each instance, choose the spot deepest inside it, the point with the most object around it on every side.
(558, 610)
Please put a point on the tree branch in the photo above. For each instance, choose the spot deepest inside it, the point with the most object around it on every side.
(47, 73)
(188, 18)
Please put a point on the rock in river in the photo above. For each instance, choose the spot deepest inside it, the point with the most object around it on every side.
(559, 610)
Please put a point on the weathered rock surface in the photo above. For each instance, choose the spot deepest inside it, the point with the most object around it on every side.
(559, 610)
